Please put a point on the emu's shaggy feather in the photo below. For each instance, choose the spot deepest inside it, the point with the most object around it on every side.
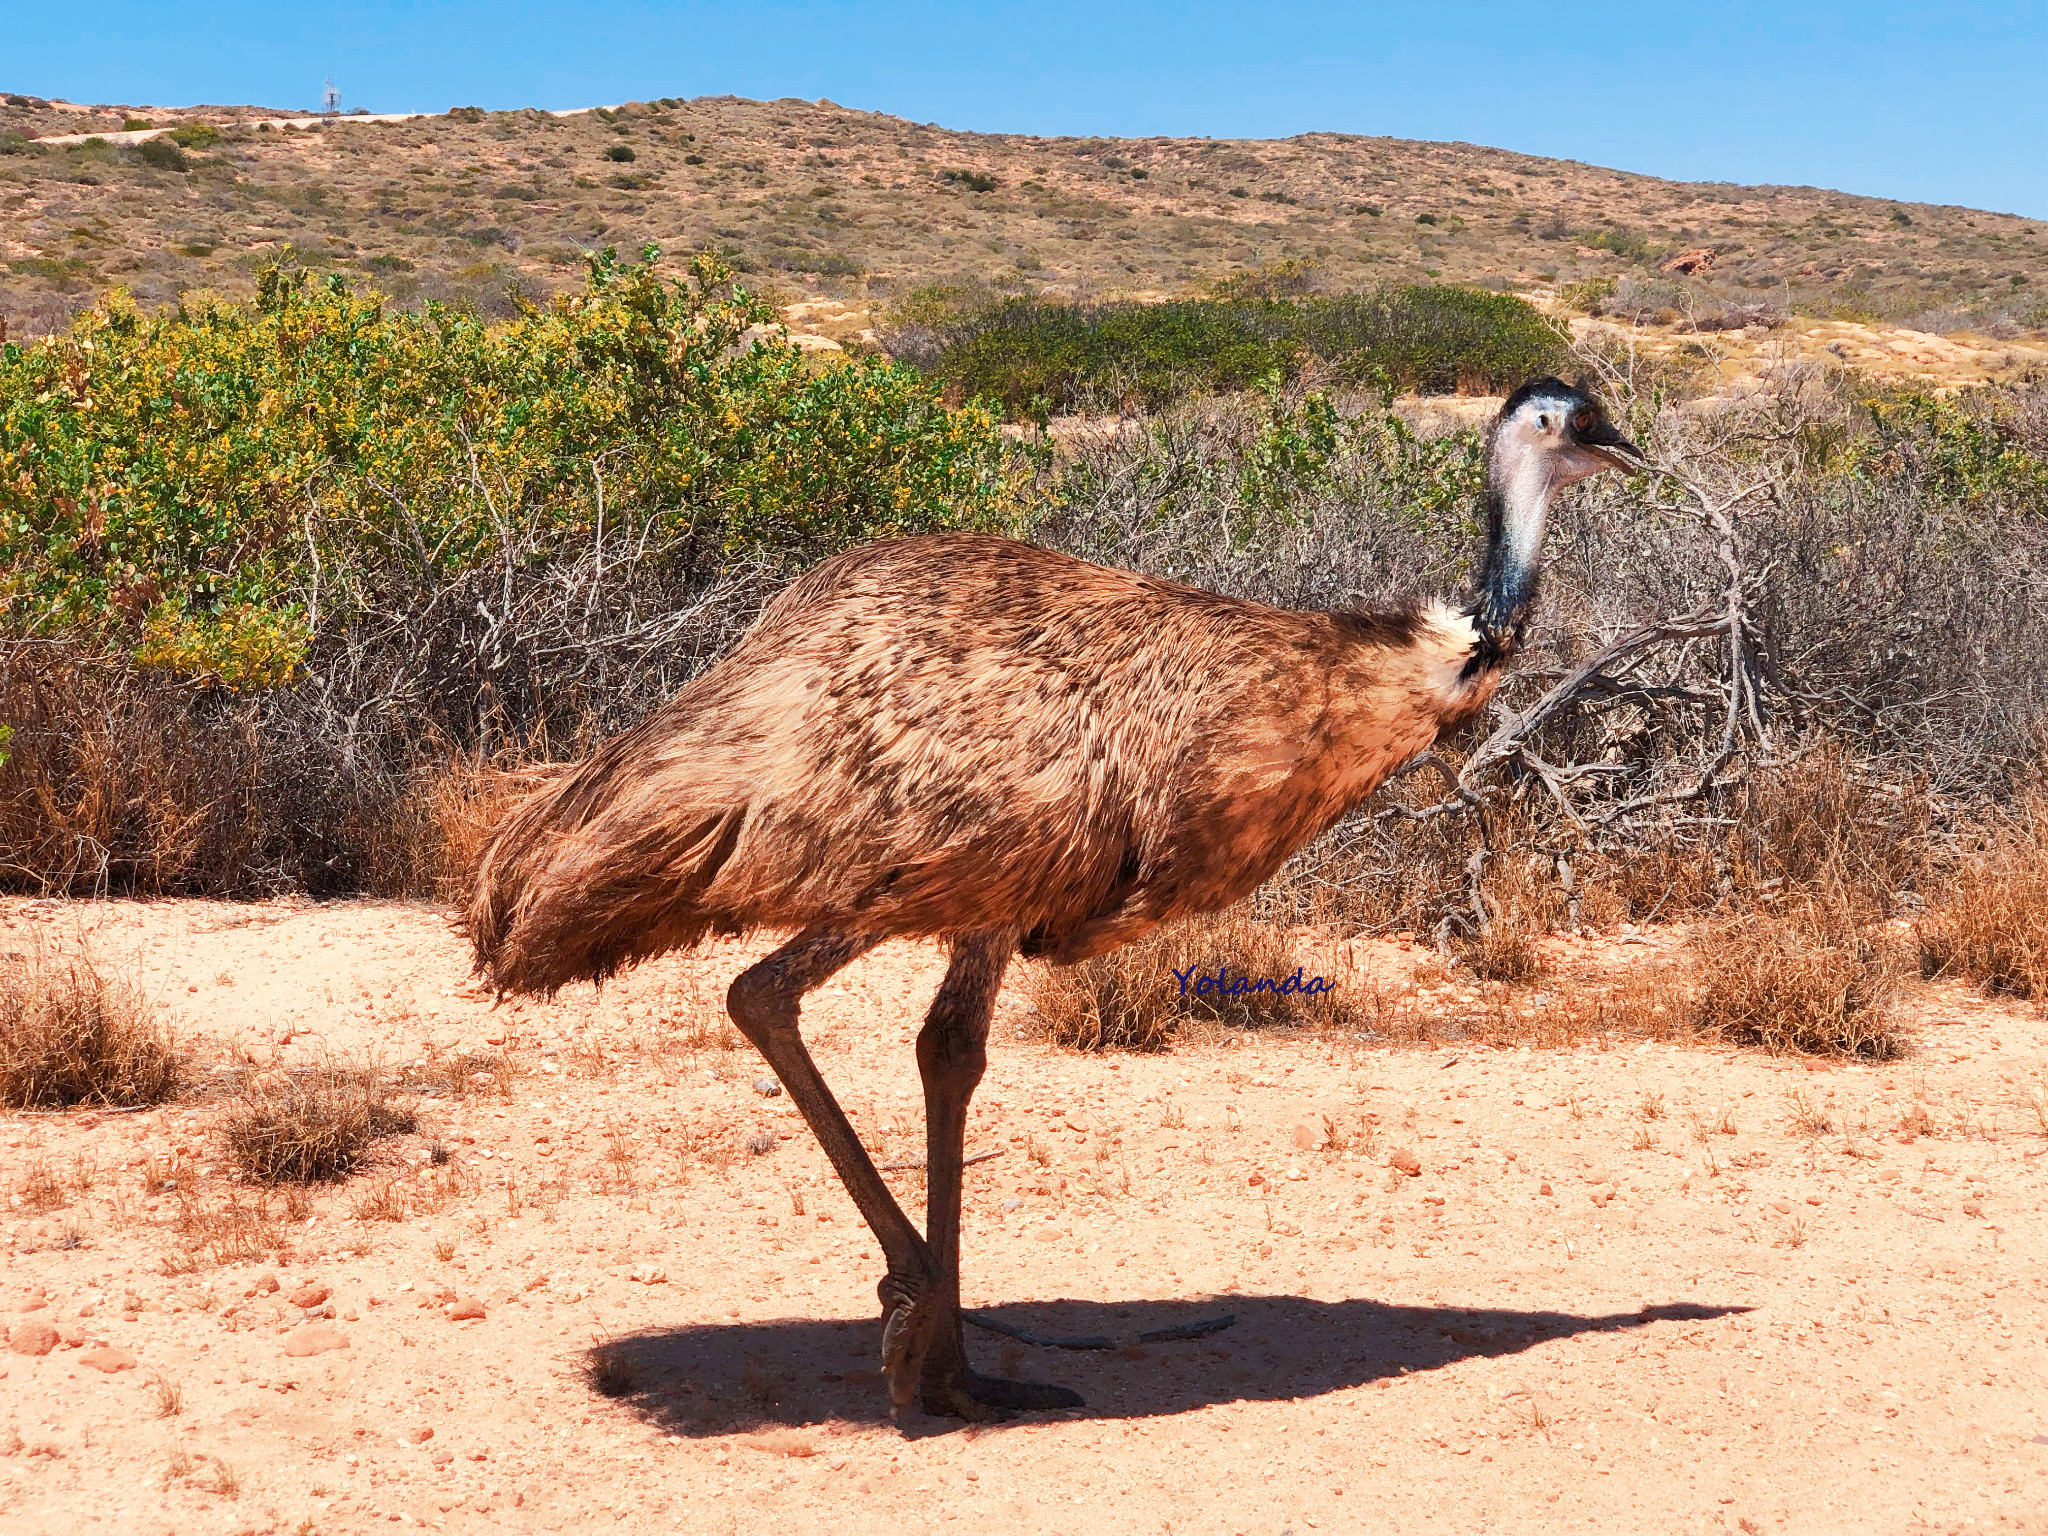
(943, 734)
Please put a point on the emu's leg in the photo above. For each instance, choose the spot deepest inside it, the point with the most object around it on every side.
(763, 1002)
(951, 1057)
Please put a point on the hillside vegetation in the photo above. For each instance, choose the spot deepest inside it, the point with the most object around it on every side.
(812, 195)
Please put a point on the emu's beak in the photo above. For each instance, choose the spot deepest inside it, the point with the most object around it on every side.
(1606, 443)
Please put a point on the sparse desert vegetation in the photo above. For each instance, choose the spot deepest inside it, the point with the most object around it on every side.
(1532, 1216)
(459, 207)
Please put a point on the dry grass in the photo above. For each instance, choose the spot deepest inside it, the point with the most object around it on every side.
(41, 1191)
(317, 1124)
(1521, 908)
(1148, 994)
(608, 1370)
(234, 1231)
(1989, 921)
(466, 1074)
(1797, 985)
(166, 1395)
(70, 1033)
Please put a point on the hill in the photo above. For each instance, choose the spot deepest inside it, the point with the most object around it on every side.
(816, 198)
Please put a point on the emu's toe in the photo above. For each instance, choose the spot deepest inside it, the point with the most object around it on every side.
(969, 1395)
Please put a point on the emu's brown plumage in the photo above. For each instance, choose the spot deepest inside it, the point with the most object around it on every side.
(934, 734)
(967, 737)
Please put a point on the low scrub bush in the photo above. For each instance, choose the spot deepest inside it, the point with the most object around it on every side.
(220, 489)
(1035, 354)
(1207, 974)
(72, 1034)
(304, 1126)
(1805, 984)
(1987, 921)
(161, 154)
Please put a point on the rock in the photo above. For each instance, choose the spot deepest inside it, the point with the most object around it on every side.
(1307, 1137)
(1404, 1159)
(1543, 1188)
(465, 1309)
(266, 1284)
(108, 1358)
(421, 1435)
(314, 1339)
(1782, 1207)
(32, 1339)
(1693, 263)
(310, 1295)
(767, 1087)
(1256, 1178)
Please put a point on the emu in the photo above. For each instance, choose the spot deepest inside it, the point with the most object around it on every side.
(969, 738)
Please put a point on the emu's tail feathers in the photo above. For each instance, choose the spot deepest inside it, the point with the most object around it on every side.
(588, 876)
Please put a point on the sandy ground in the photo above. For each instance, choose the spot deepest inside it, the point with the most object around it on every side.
(1631, 1288)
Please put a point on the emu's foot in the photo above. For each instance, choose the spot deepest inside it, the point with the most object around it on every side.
(908, 1311)
(969, 1395)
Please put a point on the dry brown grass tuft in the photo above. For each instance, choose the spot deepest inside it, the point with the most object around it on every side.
(1831, 833)
(608, 1370)
(1798, 984)
(464, 1075)
(231, 1232)
(1145, 995)
(310, 1125)
(72, 1034)
(1989, 923)
(167, 1395)
(1520, 909)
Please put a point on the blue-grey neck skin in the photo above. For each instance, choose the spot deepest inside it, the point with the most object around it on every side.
(1518, 495)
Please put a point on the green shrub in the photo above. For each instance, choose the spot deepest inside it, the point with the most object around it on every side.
(620, 152)
(161, 155)
(196, 135)
(1421, 337)
(973, 181)
(1433, 338)
(215, 485)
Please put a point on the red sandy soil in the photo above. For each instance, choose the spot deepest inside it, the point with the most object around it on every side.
(1573, 1318)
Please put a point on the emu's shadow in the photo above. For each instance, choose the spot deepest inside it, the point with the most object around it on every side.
(716, 1378)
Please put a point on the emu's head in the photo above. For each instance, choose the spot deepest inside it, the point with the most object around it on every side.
(1548, 435)
(1560, 433)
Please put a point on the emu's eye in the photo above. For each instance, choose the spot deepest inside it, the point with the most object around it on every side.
(1542, 423)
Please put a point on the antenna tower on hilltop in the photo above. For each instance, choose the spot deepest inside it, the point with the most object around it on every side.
(330, 99)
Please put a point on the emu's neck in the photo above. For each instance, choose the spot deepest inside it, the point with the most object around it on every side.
(1518, 493)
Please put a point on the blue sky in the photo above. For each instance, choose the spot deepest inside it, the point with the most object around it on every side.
(1936, 102)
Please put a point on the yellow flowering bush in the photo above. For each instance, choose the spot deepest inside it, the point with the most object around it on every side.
(216, 486)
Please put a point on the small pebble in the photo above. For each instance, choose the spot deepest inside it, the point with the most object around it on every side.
(767, 1087)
